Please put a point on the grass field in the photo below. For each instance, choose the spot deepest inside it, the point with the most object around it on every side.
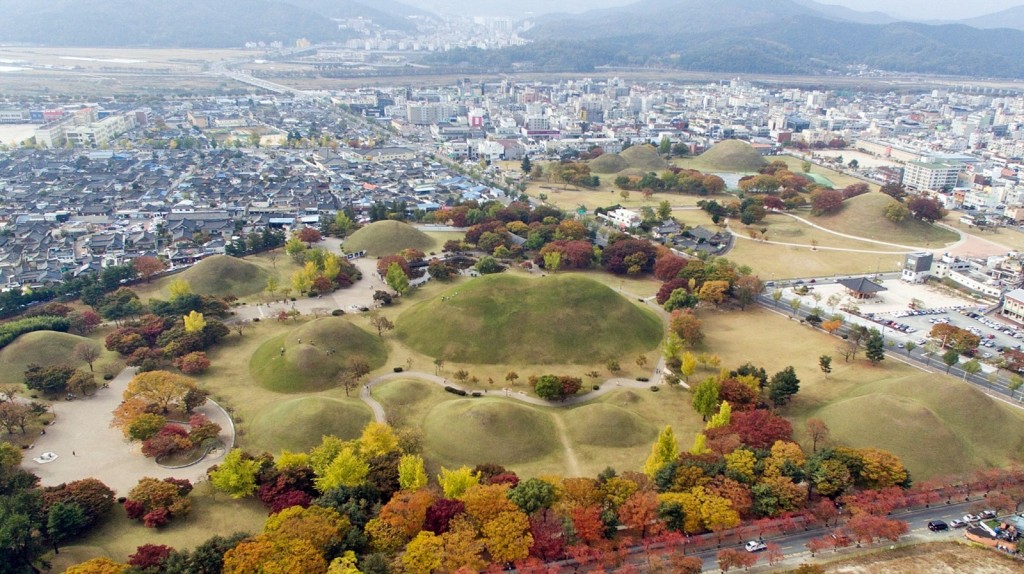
(784, 229)
(46, 348)
(382, 238)
(934, 558)
(936, 424)
(862, 216)
(507, 319)
(299, 424)
(257, 410)
(732, 156)
(471, 431)
(245, 278)
(314, 355)
(780, 261)
(211, 514)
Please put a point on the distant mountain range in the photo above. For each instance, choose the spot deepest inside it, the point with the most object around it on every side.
(753, 36)
(186, 23)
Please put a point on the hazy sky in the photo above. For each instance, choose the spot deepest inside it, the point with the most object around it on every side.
(929, 9)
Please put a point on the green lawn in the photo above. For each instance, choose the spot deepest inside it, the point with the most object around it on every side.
(47, 348)
(118, 537)
(936, 424)
(314, 355)
(862, 216)
(516, 320)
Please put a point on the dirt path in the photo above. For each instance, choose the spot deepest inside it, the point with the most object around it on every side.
(571, 462)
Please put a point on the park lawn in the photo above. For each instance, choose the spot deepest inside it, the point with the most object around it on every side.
(936, 557)
(505, 319)
(929, 420)
(784, 229)
(441, 237)
(275, 263)
(211, 515)
(619, 428)
(231, 384)
(1010, 237)
(786, 261)
(861, 216)
(571, 197)
(48, 348)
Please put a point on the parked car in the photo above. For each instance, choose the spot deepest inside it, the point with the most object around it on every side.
(957, 523)
(937, 525)
(986, 514)
(970, 518)
(755, 546)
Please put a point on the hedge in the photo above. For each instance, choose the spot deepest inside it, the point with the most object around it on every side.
(14, 329)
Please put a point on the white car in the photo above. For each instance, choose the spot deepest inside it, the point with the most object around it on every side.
(755, 546)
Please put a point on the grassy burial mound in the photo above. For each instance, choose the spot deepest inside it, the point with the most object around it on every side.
(644, 157)
(931, 423)
(610, 426)
(730, 156)
(45, 348)
(863, 216)
(468, 431)
(223, 275)
(314, 355)
(387, 238)
(501, 319)
(608, 163)
(298, 424)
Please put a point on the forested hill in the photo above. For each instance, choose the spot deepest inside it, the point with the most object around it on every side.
(800, 43)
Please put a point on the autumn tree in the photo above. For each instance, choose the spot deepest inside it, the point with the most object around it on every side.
(382, 324)
(423, 553)
(411, 473)
(161, 390)
(685, 325)
(148, 266)
(86, 352)
(397, 279)
(664, 450)
(713, 292)
(705, 398)
(455, 482)
(507, 537)
(236, 474)
(747, 289)
(817, 431)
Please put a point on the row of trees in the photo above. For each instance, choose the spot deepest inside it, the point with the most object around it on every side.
(675, 180)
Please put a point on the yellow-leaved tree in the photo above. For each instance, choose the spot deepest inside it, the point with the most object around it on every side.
(411, 472)
(179, 288)
(377, 439)
(423, 553)
(347, 469)
(194, 322)
(236, 474)
(455, 482)
(664, 451)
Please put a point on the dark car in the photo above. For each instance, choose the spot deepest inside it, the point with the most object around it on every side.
(937, 525)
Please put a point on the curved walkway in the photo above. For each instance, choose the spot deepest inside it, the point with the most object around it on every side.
(816, 247)
(87, 446)
(848, 236)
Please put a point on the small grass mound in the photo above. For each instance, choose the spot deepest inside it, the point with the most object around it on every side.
(44, 348)
(932, 425)
(862, 216)
(382, 238)
(314, 355)
(298, 424)
(609, 426)
(644, 157)
(471, 431)
(608, 163)
(500, 319)
(223, 275)
(732, 156)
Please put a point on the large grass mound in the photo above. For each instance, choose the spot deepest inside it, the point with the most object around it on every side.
(937, 426)
(314, 355)
(387, 238)
(608, 163)
(501, 319)
(223, 275)
(863, 216)
(608, 425)
(644, 157)
(299, 424)
(731, 156)
(44, 348)
(468, 431)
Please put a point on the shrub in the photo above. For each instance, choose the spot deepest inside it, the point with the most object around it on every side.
(398, 369)
(337, 313)
(14, 329)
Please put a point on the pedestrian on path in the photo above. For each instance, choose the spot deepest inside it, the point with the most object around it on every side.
(73, 453)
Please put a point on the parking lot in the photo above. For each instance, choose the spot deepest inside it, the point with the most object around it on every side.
(891, 312)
